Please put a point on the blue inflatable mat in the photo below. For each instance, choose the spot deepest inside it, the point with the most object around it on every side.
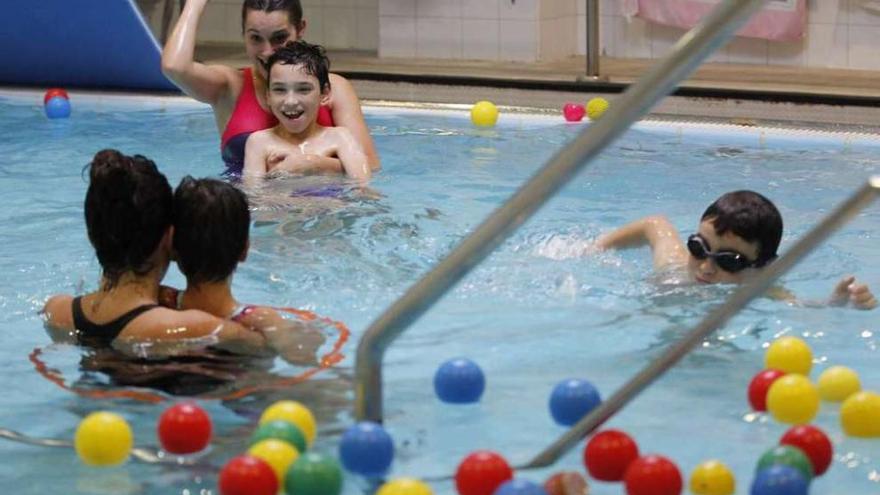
(78, 43)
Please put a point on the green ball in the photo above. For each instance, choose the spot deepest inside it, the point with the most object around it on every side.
(314, 474)
(788, 456)
(280, 430)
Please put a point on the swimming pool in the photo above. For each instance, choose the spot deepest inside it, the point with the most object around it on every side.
(531, 315)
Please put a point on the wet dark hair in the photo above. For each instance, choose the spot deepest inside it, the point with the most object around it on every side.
(211, 222)
(313, 58)
(748, 215)
(293, 8)
(127, 211)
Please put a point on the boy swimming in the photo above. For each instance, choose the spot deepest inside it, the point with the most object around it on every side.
(298, 85)
(738, 234)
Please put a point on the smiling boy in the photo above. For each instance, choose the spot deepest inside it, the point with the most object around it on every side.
(298, 85)
(738, 234)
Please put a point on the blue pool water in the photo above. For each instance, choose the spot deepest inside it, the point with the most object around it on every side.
(532, 314)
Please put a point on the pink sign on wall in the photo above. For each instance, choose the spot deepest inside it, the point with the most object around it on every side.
(778, 20)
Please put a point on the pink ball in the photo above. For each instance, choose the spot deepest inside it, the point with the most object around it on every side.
(573, 112)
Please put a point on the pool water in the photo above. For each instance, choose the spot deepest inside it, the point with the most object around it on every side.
(534, 313)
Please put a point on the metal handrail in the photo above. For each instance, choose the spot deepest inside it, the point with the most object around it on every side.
(691, 49)
(859, 200)
(591, 20)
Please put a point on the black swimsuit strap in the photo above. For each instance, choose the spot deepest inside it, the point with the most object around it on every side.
(95, 334)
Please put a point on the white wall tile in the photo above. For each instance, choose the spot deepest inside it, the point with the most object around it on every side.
(314, 32)
(863, 48)
(747, 51)
(635, 36)
(397, 7)
(518, 9)
(438, 8)
(339, 3)
(340, 27)
(860, 16)
(518, 40)
(794, 53)
(606, 7)
(827, 45)
(397, 36)
(479, 9)
(212, 26)
(368, 4)
(367, 29)
(438, 37)
(232, 29)
(480, 39)
(827, 11)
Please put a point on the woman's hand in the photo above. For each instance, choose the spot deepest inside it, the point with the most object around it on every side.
(848, 292)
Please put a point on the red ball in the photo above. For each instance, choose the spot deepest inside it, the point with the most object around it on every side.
(566, 483)
(758, 388)
(53, 92)
(608, 454)
(247, 475)
(814, 442)
(481, 472)
(184, 428)
(653, 475)
(573, 112)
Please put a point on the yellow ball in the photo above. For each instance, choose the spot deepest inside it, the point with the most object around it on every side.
(292, 412)
(484, 114)
(103, 439)
(837, 383)
(277, 453)
(596, 107)
(793, 399)
(860, 415)
(789, 354)
(405, 486)
(712, 478)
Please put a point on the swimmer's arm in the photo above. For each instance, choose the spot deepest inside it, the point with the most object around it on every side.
(255, 158)
(352, 156)
(657, 231)
(206, 83)
(295, 342)
(58, 318)
(346, 109)
(849, 292)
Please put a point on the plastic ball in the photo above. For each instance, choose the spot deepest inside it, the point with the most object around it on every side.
(779, 480)
(366, 449)
(292, 412)
(484, 114)
(837, 383)
(278, 454)
(53, 92)
(860, 415)
(573, 399)
(814, 443)
(652, 475)
(793, 399)
(608, 454)
(573, 112)
(404, 486)
(184, 428)
(788, 456)
(459, 381)
(712, 478)
(758, 388)
(280, 430)
(57, 108)
(789, 354)
(519, 487)
(596, 107)
(481, 472)
(247, 475)
(314, 474)
(566, 483)
(103, 439)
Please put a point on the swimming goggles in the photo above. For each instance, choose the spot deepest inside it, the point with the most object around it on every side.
(729, 261)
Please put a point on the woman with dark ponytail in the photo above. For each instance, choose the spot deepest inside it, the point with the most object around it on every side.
(128, 214)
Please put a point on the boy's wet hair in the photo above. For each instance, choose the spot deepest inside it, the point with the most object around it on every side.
(211, 222)
(127, 211)
(750, 216)
(312, 58)
(293, 8)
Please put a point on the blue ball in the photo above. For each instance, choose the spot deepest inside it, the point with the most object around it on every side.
(366, 449)
(519, 487)
(57, 107)
(572, 399)
(459, 381)
(780, 480)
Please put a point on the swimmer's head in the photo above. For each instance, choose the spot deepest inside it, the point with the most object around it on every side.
(298, 85)
(311, 58)
(128, 213)
(211, 222)
(267, 25)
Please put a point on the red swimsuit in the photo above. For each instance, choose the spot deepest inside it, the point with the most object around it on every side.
(248, 117)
